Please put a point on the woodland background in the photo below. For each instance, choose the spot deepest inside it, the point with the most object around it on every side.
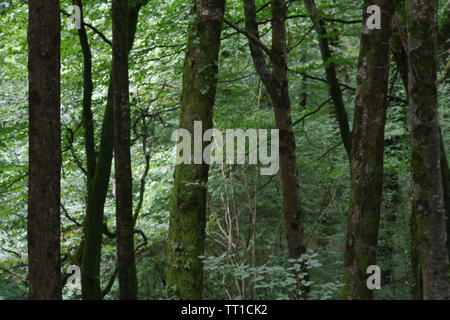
(246, 252)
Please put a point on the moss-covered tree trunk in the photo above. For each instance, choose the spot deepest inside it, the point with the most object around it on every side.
(429, 229)
(188, 213)
(399, 50)
(44, 267)
(93, 223)
(367, 153)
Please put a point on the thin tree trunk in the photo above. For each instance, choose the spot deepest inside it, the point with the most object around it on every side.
(332, 79)
(93, 223)
(188, 213)
(87, 117)
(276, 83)
(398, 46)
(367, 153)
(122, 155)
(282, 108)
(428, 199)
(44, 266)
(88, 87)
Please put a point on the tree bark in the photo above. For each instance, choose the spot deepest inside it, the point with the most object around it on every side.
(444, 45)
(88, 87)
(277, 85)
(331, 74)
(122, 155)
(445, 169)
(283, 119)
(399, 50)
(44, 266)
(93, 223)
(367, 153)
(444, 33)
(428, 198)
(188, 213)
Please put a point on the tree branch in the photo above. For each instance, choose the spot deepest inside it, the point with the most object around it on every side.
(251, 37)
(98, 32)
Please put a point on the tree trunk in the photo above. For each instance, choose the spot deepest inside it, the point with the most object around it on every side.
(445, 169)
(122, 155)
(93, 223)
(444, 45)
(444, 33)
(399, 50)
(428, 199)
(332, 79)
(367, 154)
(282, 109)
(88, 87)
(44, 266)
(188, 213)
(87, 116)
(276, 83)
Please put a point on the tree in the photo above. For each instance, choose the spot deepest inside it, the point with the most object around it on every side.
(277, 85)
(88, 87)
(429, 229)
(188, 212)
(399, 50)
(93, 224)
(367, 153)
(122, 156)
(331, 74)
(44, 269)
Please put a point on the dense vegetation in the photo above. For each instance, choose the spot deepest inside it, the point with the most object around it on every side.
(181, 62)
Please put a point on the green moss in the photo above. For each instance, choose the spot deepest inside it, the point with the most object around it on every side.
(188, 213)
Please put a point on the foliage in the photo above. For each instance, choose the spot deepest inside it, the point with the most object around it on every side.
(246, 249)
